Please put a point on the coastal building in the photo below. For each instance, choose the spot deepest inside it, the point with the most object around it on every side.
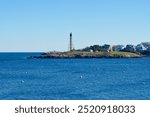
(148, 49)
(146, 44)
(117, 48)
(90, 50)
(130, 48)
(140, 48)
(107, 48)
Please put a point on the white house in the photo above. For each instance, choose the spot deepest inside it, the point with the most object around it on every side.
(130, 48)
(140, 48)
(117, 48)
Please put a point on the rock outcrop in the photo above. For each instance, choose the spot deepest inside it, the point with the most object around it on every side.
(88, 55)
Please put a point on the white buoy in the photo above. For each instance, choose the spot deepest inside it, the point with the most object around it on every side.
(22, 81)
(80, 76)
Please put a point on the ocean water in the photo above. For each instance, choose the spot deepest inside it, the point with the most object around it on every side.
(73, 79)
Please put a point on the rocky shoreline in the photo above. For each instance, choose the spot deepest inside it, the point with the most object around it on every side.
(88, 55)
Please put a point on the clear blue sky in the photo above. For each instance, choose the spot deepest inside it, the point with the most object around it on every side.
(44, 25)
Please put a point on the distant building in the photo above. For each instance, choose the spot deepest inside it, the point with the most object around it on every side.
(130, 48)
(91, 50)
(146, 44)
(117, 48)
(148, 49)
(140, 48)
(107, 48)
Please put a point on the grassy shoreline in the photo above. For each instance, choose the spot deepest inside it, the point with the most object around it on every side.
(82, 54)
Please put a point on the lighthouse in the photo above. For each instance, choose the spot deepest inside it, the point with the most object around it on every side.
(70, 43)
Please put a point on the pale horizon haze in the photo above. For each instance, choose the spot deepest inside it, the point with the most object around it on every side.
(44, 25)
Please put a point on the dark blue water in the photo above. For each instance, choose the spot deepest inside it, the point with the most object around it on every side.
(22, 78)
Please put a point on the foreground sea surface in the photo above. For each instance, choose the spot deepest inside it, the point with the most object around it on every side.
(73, 79)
